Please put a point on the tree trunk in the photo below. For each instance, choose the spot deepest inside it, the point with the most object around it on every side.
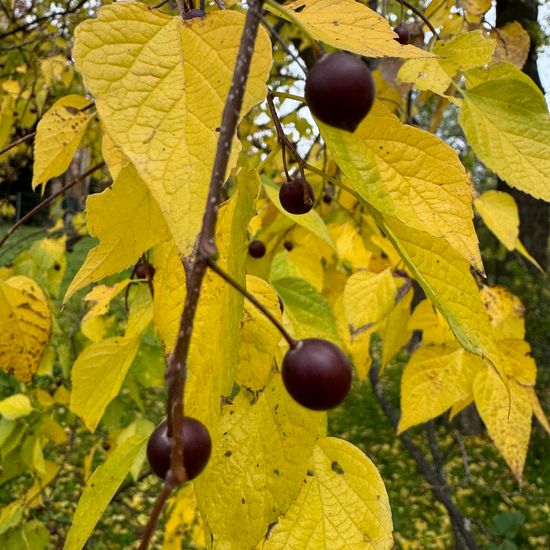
(534, 213)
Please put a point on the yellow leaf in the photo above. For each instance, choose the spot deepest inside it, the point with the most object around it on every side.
(409, 174)
(500, 213)
(259, 337)
(127, 222)
(350, 245)
(500, 71)
(112, 155)
(476, 8)
(507, 416)
(53, 431)
(513, 43)
(438, 11)
(525, 253)
(102, 295)
(58, 136)
(506, 312)
(26, 326)
(343, 504)
(459, 406)
(184, 520)
(428, 74)
(257, 467)
(517, 361)
(434, 327)
(170, 293)
(97, 376)
(352, 26)
(462, 52)
(445, 277)
(95, 328)
(395, 332)
(141, 311)
(311, 221)
(214, 351)
(15, 406)
(368, 298)
(507, 124)
(164, 115)
(538, 410)
(52, 68)
(434, 379)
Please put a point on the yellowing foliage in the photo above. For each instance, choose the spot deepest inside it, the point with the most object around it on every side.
(343, 504)
(351, 26)
(58, 136)
(409, 174)
(26, 326)
(165, 122)
(507, 124)
(127, 222)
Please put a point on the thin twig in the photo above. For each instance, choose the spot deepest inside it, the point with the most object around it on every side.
(205, 247)
(155, 513)
(417, 12)
(439, 487)
(47, 201)
(25, 26)
(251, 298)
(283, 44)
(17, 142)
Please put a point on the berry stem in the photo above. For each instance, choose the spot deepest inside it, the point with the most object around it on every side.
(286, 143)
(251, 298)
(205, 250)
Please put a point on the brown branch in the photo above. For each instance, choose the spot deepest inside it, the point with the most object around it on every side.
(205, 248)
(251, 298)
(25, 26)
(155, 514)
(47, 201)
(437, 483)
(17, 142)
(417, 12)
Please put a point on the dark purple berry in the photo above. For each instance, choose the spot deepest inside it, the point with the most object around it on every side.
(296, 196)
(317, 374)
(403, 34)
(256, 249)
(340, 90)
(197, 447)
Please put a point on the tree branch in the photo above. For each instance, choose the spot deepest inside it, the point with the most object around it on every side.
(17, 142)
(205, 248)
(417, 12)
(25, 26)
(437, 483)
(47, 201)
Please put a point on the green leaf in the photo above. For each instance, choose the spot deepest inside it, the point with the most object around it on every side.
(507, 124)
(100, 489)
(15, 406)
(97, 376)
(309, 312)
